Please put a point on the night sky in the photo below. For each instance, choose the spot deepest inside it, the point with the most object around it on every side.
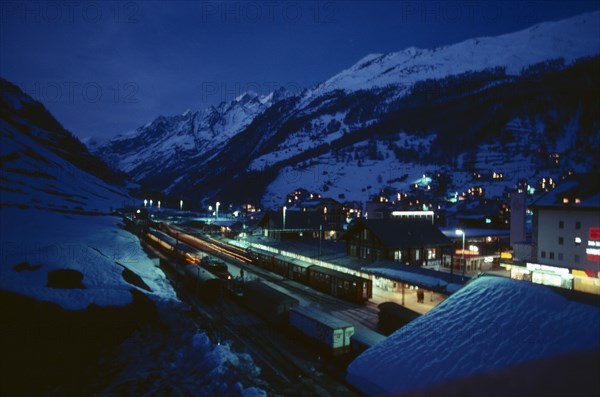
(104, 68)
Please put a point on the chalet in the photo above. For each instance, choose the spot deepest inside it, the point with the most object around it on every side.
(294, 224)
(329, 210)
(409, 241)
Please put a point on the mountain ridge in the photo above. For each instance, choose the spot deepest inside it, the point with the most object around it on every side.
(285, 137)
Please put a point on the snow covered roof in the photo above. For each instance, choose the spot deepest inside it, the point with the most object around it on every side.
(472, 232)
(399, 233)
(579, 190)
(419, 276)
(490, 325)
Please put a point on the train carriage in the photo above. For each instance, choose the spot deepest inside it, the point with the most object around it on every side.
(264, 259)
(297, 270)
(281, 265)
(216, 267)
(342, 285)
(172, 247)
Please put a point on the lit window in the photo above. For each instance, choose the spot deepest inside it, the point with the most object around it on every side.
(565, 200)
(577, 240)
(577, 201)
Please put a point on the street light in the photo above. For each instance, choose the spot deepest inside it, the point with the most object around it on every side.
(217, 211)
(284, 210)
(460, 232)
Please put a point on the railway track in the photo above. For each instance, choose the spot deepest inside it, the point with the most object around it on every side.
(366, 315)
(286, 368)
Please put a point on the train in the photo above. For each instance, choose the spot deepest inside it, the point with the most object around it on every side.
(332, 282)
(216, 267)
(183, 253)
(204, 276)
(339, 284)
(173, 248)
(326, 333)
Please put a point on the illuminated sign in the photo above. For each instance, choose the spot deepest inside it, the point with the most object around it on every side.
(546, 268)
(585, 273)
(592, 251)
(593, 254)
(467, 252)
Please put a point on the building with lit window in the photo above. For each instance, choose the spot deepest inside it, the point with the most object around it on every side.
(408, 241)
(566, 236)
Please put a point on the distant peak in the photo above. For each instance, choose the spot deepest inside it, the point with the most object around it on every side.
(246, 96)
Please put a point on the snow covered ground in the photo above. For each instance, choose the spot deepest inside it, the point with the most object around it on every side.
(93, 328)
(36, 242)
(490, 325)
(95, 246)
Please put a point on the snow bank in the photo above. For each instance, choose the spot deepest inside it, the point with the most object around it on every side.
(43, 241)
(491, 324)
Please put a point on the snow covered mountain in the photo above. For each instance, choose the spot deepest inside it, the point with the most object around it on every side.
(162, 151)
(501, 104)
(44, 166)
(569, 39)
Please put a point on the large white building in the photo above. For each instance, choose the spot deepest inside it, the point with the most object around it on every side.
(566, 235)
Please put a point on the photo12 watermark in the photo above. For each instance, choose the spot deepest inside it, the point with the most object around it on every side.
(318, 12)
(70, 12)
(72, 92)
(466, 12)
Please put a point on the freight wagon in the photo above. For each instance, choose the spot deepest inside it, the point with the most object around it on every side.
(329, 333)
(266, 301)
(363, 339)
(202, 283)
